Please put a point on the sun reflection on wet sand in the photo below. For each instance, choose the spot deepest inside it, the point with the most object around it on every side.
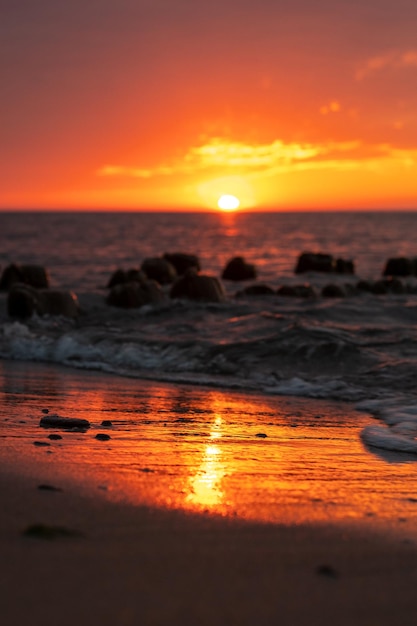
(265, 458)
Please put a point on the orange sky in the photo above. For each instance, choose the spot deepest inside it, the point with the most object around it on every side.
(170, 103)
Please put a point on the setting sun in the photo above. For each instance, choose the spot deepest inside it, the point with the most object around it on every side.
(228, 202)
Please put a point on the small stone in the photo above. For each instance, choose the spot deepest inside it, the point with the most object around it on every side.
(46, 411)
(49, 533)
(261, 435)
(54, 437)
(102, 437)
(41, 443)
(327, 571)
(48, 488)
(107, 423)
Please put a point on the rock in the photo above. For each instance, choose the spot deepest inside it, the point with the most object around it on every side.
(344, 266)
(23, 301)
(379, 288)
(133, 295)
(119, 277)
(297, 291)
(319, 262)
(364, 285)
(33, 275)
(102, 437)
(256, 290)
(399, 266)
(56, 421)
(54, 437)
(333, 291)
(49, 488)
(107, 423)
(314, 262)
(198, 287)
(159, 269)
(237, 269)
(183, 262)
(42, 531)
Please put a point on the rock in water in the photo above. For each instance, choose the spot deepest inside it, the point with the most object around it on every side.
(56, 421)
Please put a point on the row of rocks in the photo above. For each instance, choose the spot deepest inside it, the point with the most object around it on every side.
(23, 301)
(332, 290)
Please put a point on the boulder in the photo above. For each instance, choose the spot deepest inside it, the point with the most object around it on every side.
(183, 262)
(23, 301)
(314, 262)
(198, 287)
(120, 276)
(134, 294)
(256, 290)
(237, 269)
(297, 291)
(333, 291)
(400, 266)
(33, 275)
(319, 262)
(159, 269)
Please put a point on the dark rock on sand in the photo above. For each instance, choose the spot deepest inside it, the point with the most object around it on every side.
(56, 421)
(183, 262)
(120, 277)
(41, 444)
(49, 488)
(33, 275)
(238, 269)
(400, 266)
(198, 287)
(49, 533)
(54, 437)
(134, 294)
(23, 301)
(159, 269)
(107, 423)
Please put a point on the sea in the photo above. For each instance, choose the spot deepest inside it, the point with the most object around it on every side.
(360, 347)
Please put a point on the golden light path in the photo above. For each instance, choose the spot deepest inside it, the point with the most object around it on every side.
(273, 459)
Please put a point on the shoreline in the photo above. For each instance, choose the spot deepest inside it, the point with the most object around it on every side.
(116, 554)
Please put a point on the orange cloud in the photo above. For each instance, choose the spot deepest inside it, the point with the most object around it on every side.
(393, 59)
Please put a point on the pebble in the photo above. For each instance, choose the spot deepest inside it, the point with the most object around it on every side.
(328, 571)
(48, 488)
(261, 435)
(107, 423)
(102, 437)
(41, 531)
(54, 437)
(45, 411)
(41, 443)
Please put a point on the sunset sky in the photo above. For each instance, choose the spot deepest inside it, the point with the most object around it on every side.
(287, 104)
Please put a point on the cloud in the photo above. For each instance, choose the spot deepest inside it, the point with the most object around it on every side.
(232, 157)
(331, 107)
(393, 59)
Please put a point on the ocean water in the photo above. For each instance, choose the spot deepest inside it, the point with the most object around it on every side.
(361, 348)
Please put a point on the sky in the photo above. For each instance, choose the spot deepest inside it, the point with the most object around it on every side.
(168, 104)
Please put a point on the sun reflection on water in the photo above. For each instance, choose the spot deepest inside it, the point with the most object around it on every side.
(270, 459)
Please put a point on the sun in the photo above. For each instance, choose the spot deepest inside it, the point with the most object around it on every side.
(227, 202)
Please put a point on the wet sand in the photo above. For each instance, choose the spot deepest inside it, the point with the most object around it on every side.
(187, 516)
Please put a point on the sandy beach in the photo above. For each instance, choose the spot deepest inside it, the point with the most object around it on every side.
(84, 541)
